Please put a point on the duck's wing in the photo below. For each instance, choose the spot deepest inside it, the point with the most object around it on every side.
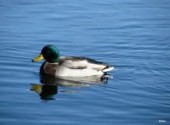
(84, 62)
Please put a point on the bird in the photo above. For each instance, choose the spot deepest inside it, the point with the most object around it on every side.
(69, 66)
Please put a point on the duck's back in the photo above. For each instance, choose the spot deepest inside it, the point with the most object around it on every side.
(76, 67)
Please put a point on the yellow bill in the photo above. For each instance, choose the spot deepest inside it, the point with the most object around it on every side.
(38, 58)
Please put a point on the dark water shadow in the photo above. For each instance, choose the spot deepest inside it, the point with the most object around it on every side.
(49, 84)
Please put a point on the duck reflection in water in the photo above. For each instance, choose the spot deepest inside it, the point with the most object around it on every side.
(49, 87)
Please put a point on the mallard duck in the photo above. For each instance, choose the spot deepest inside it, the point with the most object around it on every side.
(70, 66)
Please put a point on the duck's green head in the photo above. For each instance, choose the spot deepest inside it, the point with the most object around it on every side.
(50, 53)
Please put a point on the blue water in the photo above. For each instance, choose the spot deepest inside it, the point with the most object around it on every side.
(131, 35)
